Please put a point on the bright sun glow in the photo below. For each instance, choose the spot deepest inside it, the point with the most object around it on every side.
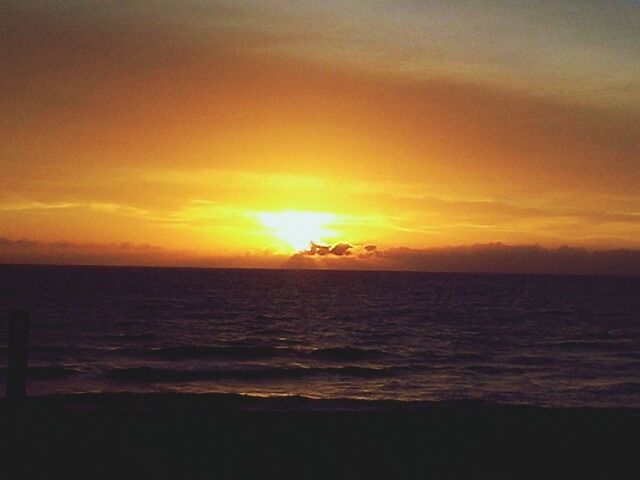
(298, 229)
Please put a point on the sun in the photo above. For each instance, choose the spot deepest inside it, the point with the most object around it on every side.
(298, 229)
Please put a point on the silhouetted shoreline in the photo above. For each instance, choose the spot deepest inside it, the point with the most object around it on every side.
(223, 436)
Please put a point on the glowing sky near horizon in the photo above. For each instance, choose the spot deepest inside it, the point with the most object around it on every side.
(216, 128)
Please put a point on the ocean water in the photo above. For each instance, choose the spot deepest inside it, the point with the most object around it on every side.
(515, 339)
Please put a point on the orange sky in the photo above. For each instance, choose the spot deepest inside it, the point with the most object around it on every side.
(218, 133)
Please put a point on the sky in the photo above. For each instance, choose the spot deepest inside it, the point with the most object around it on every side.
(398, 135)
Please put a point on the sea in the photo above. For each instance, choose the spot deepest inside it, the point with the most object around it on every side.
(558, 341)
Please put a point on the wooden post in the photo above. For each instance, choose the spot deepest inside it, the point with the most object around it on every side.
(17, 364)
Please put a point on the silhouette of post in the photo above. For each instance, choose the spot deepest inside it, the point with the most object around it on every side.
(17, 362)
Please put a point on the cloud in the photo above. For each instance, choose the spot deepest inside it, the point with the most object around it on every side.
(481, 258)
(338, 249)
(21, 243)
(500, 258)
(341, 249)
(7, 245)
(77, 253)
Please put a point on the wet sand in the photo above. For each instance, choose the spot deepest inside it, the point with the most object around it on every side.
(208, 436)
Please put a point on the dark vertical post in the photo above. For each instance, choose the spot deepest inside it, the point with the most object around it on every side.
(18, 346)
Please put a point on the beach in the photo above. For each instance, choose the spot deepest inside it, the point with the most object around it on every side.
(179, 373)
(210, 436)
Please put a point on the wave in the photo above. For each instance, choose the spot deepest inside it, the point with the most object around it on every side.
(530, 360)
(39, 348)
(243, 352)
(206, 351)
(152, 374)
(604, 345)
(45, 372)
(131, 336)
(494, 370)
(347, 353)
(621, 388)
(127, 323)
(218, 401)
(51, 348)
(461, 357)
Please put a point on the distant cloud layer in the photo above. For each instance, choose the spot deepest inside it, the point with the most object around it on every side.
(494, 257)
(489, 258)
(501, 258)
(65, 253)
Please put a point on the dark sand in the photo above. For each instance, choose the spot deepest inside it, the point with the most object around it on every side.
(198, 436)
